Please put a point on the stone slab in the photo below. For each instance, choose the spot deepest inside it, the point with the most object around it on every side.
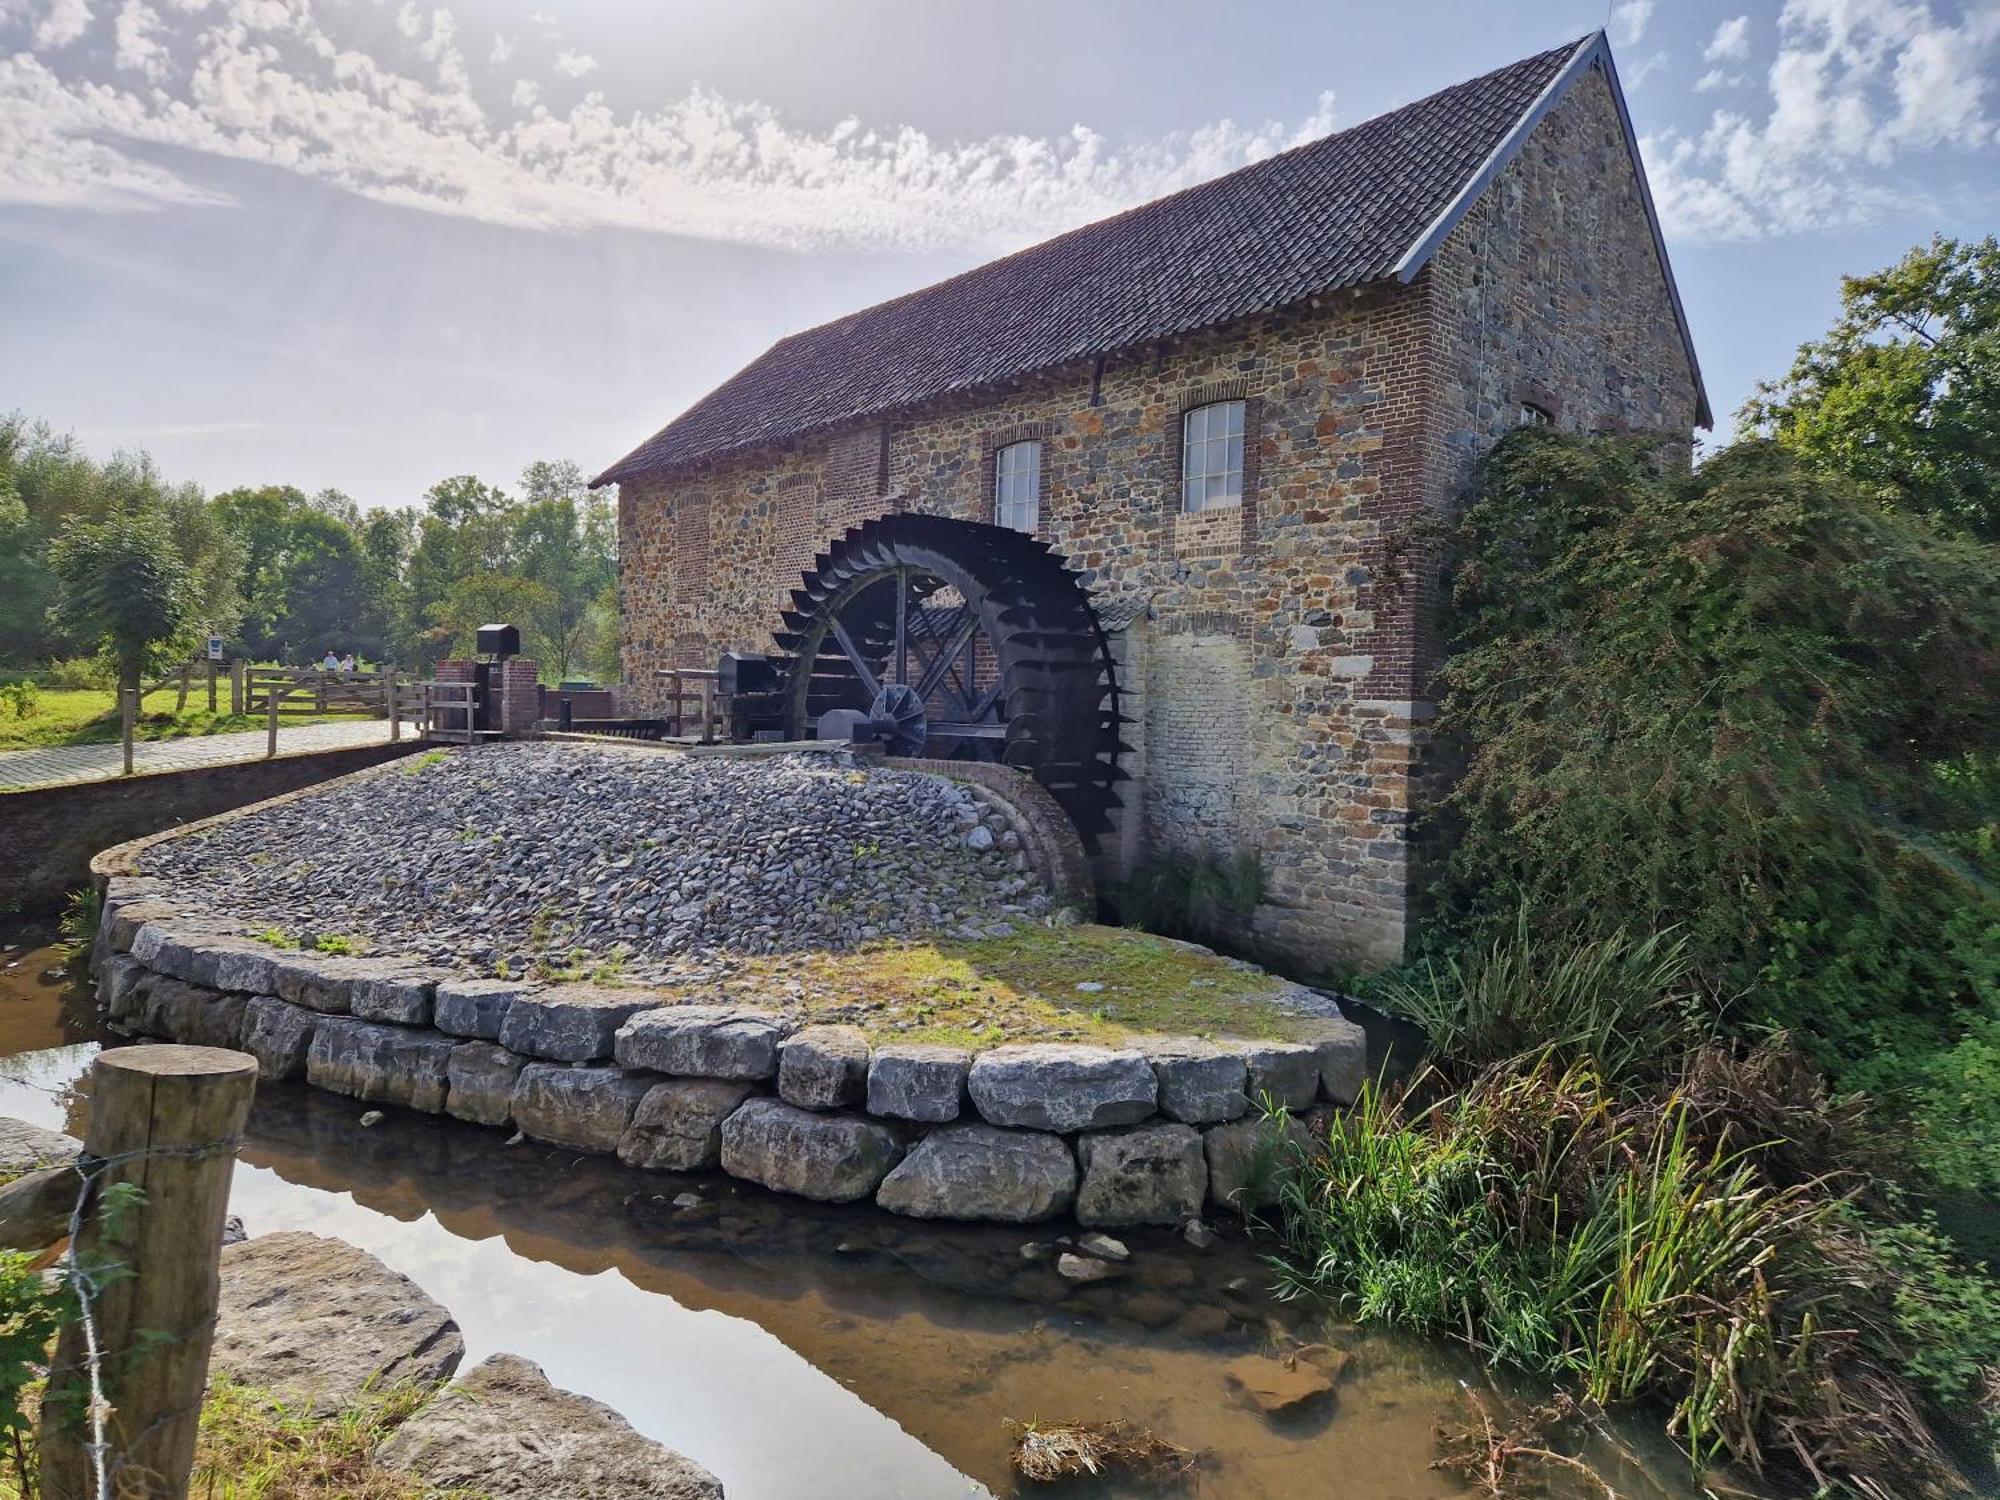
(982, 1172)
(586, 1108)
(1062, 1087)
(918, 1081)
(1142, 1174)
(1286, 1073)
(379, 1063)
(678, 1124)
(833, 1158)
(400, 996)
(28, 1148)
(279, 1036)
(476, 1008)
(570, 1022)
(1247, 1160)
(703, 1041)
(1199, 1081)
(823, 1067)
(482, 1077)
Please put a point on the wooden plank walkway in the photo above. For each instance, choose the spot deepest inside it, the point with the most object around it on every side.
(65, 764)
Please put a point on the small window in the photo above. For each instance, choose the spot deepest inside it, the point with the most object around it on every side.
(1533, 416)
(1212, 456)
(1017, 486)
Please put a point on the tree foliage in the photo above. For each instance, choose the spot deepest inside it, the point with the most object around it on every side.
(123, 587)
(1753, 706)
(1903, 393)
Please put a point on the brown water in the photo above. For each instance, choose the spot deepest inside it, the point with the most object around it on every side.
(800, 1350)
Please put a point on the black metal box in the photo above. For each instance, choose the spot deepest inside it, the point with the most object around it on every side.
(499, 640)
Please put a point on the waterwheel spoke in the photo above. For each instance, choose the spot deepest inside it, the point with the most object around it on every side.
(854, 657)
(946, 659)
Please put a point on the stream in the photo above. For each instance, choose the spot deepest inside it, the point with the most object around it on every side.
(803, 1351)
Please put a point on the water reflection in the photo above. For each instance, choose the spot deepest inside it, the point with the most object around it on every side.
(802, 1350)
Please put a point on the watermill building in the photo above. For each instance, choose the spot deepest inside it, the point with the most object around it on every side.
(1138, 508)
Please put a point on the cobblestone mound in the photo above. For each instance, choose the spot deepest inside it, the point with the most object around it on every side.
(560, 856)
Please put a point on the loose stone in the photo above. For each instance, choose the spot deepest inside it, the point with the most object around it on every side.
(1086, 1268)
(834, 1158)
(980, 1172)
(918, 1081)
(1062, 1088)
(1144, 1174)
(678, 1125)
(1103, 1246)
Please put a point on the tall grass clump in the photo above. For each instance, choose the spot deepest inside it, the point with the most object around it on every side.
(1646, 1249)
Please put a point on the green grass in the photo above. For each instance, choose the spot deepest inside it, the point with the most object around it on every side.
(89, 716)
(1024, 988)
(256, 1447)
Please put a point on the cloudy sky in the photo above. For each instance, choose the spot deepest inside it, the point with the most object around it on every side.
(368, 243)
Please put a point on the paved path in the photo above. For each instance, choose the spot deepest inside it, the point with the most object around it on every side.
(72, 763)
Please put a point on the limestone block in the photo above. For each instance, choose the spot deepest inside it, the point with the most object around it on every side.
(197, 1015)
(918, 1081)
(981, 1172)
(26, 1148)
(482, 1077)
(1247, 1160)
(381, 1064)
(678, 1125)
(823, 1067)
(476, 1008)
(318, 1322)
(1061, 1087)
(834, 1158)
(402, 996)
(570, 1022)
(1287, 1073)
(1144, 1174)
(325, 983)
(1342, 1047)
(278, 1036)
(118, 979)
(588, 1108)
(222, 961)
(703, 1041)
(503, 1431)
(1198, 1081)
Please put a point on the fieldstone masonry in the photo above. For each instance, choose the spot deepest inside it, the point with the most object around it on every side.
(1145, 1133)
(1276, 657)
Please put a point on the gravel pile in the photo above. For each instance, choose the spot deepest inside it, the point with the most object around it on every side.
(568, 857)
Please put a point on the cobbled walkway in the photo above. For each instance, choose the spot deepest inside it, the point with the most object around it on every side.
(65, 764)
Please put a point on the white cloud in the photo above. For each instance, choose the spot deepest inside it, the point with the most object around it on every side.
(574, 64)
(1853, 91)
(526, 92)
(1717, 78)
(1731, 42)
(262, 81)
(1628, 21)
(134, 33)
(503, 49)
(65, 21)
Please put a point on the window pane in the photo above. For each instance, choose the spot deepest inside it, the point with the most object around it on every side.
(1017, 477)
(1212, 456)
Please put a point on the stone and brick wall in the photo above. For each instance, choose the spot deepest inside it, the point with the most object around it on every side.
(1276, 654)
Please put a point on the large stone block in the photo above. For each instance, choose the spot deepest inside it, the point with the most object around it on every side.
(401, 996)
(379, 1063)
(1286, 1073)
(703, 1041)
(570, 1022)
(587, 1108)
(482, 1077)
(1198, 1081)
(1342, 1048)
(132, 918)
(1055, 1086)
(325, 983)
(834, 1158)
(476, 1008)
(982, 1172)
(320, 1323)
(678, 1125)
(1247, 1160)
(119, 976)
(1144, 1174)
(197, 1015)
(504, 1432)
(823, 1067)
(918, 1081)
(222, 961)
(278, 1036)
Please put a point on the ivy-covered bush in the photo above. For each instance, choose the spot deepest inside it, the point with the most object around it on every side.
(1750, 706)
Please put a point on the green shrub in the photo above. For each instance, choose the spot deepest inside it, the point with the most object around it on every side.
(81, 913)
(81, 674)
(1749, 706)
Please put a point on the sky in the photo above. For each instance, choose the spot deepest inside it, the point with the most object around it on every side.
(366, 244)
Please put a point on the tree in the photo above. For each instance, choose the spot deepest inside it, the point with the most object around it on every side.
(123, 587)
(1903, 393)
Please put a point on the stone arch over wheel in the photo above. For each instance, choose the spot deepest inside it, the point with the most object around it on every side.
(963, 641)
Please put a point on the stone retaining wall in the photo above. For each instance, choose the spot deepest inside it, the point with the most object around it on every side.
(1152, 1132)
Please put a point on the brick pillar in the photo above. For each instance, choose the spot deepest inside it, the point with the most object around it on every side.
(515, 681)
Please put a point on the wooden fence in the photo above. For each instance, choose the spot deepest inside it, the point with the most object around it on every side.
(694, 704)
(312, 691)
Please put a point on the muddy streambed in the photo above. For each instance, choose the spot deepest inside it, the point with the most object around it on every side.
(803, 1352)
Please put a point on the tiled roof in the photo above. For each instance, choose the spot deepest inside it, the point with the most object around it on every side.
(1337, 212)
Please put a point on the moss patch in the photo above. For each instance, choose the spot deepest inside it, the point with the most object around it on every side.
(1021, 988)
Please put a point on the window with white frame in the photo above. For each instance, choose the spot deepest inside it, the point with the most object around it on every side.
(1212, 456)
(1534, 416)
(1017, 486)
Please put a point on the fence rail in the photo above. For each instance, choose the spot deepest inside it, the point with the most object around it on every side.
(316, 692)
(682, 686)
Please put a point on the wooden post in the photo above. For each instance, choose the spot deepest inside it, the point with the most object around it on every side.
(271, 718)
(211, 685)
(707, 710)
(236, 686)
(181, 701)
(128, 711)
(165, 1120)
(389, 702)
